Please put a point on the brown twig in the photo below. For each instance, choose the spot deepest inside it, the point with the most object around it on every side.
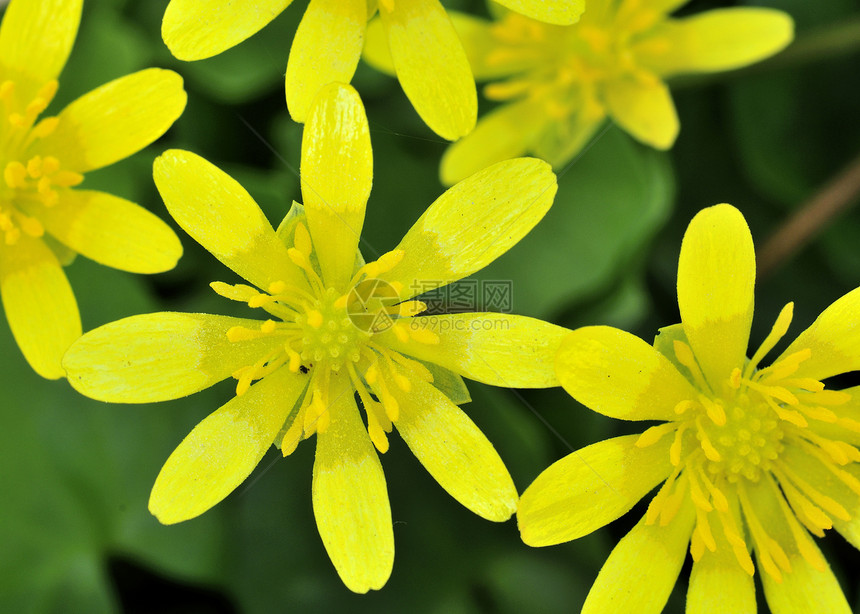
(832, 200)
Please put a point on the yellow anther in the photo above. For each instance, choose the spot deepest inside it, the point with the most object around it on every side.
(298, 258)
(267, 327)
(292, 437)
(654, 434)
(43, 187)
(67, 179)
(411, 308)
(371, 374)
(403, 382)
(240, 333)
(237, 292)
(50, 165)
(6, 89)
(425, 336)
(15, 174)
(377, 435)
(389, 260)
(18, 120)
(302, 240)
(714, 409)
(735, 378)
(401, 331)
(315, 318)
(295, 359)
(277, 287)
(388, 5)
(48, 91)
(341, 301)
(32, 226)
(683, 406)
(259, 299)
(34, 167)
(45, 127)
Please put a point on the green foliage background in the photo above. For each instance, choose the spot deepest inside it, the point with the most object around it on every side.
(75, 474)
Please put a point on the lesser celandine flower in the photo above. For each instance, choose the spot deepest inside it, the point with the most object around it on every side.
(752, 459)
(560, 83)
(429, 58)
(335, 328)
(44, 221)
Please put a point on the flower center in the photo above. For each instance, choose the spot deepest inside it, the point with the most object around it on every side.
(328, 334)
(746, 444)
(321, 331)
(29, 179)
(735, 439)
(564, 66)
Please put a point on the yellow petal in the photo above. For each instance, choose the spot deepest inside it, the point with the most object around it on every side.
(224, 448)
(590, 488)
(560, 12)
(504, 133)
(112, 231)
(197, 29)
(376, 51)
(159, 356)
(336, 176)
(834, 339)
(644, 108)
(494, 348)
(455, 452)
(479, 42)
(716, 277)
(350, 497)
(619, 375)
(39, 303)
(721, 39)
(563, 139)
(473, 223)
(220, 215)
(431, 65)
(718, 583)
(642, 569)
(116, 120)
(36, 38)
(326, 49)
(805, 589)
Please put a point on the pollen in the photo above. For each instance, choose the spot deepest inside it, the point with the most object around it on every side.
(31, 180)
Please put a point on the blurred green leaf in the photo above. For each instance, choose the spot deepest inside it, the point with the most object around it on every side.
(610, 202)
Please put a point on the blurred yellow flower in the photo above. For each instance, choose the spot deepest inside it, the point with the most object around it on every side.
(43, 221)
(429, 58)
(751, 459)
(336, 327)
(562, 82)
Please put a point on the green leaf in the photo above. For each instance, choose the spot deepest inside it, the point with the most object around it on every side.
(609, 204)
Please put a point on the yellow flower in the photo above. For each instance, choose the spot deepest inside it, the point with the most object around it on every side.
(335, 327)
(562, 82)
(44, 222)
(429, 58)
(751, 458)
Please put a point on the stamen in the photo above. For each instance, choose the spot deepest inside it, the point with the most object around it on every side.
(685, 356)
(302, 240)
(739, 546)
(654, 434)
(784, 473)
(812, 516)
(707, 447)
(780, 327)
(804, 545)
(771, 555)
